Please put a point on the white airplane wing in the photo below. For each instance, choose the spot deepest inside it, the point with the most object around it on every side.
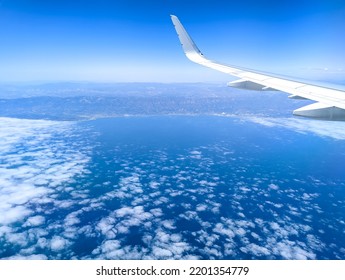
(330, 102)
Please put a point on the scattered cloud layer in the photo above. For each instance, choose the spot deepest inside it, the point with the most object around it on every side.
(65, 197)
(331, 129)
(37, 163)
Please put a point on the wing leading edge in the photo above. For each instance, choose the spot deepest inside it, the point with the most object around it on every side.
(330, 102)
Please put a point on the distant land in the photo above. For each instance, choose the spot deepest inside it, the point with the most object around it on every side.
(82, 101)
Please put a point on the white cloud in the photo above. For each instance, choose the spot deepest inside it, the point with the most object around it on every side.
(256, 250)
(29, 257)
(201, 207)
(290, 250)
(195, 154)
(11, 213)
(58, 243)
(331, 129)
(161, 253)
(168, 224)
(35, 221)
(273, 187)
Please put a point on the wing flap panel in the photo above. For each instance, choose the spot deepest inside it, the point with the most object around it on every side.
(321, 111)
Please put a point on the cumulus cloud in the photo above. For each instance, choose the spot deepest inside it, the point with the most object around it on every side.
(58, 243)
(35, 221)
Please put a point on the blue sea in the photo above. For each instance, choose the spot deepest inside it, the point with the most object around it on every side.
(172, 187)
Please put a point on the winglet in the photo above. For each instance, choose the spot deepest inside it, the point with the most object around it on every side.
(188, 45)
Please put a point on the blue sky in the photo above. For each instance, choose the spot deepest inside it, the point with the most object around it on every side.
(134, 41)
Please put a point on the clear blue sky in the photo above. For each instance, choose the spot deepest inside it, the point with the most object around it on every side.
(134, 40)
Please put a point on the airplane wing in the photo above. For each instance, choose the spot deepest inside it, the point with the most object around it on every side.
(330, 102)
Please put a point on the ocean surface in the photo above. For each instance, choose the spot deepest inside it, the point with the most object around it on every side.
(172, 187)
